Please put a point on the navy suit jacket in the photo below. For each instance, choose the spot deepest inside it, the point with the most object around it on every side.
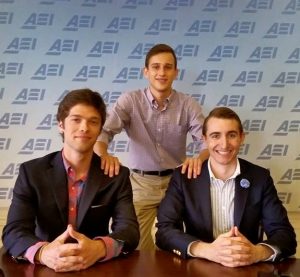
(188, 201)
(39, 208)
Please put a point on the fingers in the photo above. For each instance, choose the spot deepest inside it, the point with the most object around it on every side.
(192, 166)
(110, 165)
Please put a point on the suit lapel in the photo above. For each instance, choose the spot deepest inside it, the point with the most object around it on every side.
(96, 181)
(241, 194)
(204, 209)
(57, 178)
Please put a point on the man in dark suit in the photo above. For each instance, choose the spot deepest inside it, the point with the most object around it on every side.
(62, 203)
(218, 216)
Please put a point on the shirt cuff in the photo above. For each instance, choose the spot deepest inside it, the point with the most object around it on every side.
(189, 247)
(113, 247)
(31, 251)
(275, 250)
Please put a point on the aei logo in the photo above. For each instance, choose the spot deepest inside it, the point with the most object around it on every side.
(5, 143)
(214, 5)
(19, 44)
(10, 68)
(248, 77)
(268, 101)
(201, 26)
(10, 171)
(35, 144)
(86, 72)
(119, 24)
(173, 5)
(26, 95)
(206, 76)
(12, 119)
(47, 122)
(231, 101)
(289, 176)
(273, 150)
(103, 47)
(161, 25)
(240, 27)
(80, 21)
(223, 51)
(254, 6)
(261, 53)
(133, 4)
(48, 70)
(288, 126)
(140, 50)
(63, 45)
(38, 19)
(6, 18)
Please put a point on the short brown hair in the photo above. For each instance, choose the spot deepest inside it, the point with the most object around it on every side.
(81, 96)
(157, 49)
(225, 113)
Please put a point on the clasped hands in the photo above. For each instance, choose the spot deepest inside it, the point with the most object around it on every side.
(231, 249)
(62, 256)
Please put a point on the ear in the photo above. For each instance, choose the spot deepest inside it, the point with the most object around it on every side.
(243, 135)
(61, 127)
(145, 71)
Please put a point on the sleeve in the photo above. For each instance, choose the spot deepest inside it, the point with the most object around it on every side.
(279, 231)
(117, 117)
(19, 231)
(124, 226)
(196, 120)
(170, 233)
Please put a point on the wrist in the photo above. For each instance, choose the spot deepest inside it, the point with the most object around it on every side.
(38, 255)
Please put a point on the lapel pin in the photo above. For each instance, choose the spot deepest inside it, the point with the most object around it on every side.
(245, 183)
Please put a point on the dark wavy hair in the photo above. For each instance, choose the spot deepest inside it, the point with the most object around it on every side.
(81, 96)
(225, 113)
(157, 49)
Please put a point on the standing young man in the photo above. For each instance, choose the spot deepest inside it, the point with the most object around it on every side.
(157, 121)
(62, 203)
(224, 208)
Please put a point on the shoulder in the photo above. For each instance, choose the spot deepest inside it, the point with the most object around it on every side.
(130, 98)
(186, 99)
(42, 161)
(253, 170)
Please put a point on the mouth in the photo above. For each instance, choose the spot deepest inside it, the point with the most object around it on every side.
(223, 152)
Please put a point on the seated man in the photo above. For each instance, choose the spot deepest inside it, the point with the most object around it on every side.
(224, 208)
(62, 203)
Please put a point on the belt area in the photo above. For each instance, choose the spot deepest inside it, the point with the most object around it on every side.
(157, 173)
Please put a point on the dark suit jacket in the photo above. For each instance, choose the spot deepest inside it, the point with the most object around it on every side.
(188, 201)
(39, 208)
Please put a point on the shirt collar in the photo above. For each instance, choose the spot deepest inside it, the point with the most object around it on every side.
(70, 171)
(233, 176)
(152, 99)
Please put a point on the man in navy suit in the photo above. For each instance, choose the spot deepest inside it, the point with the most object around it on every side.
(219, 215)
(62, 203)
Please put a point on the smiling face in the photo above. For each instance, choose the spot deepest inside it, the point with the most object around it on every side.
(223, 138)
(80, 129)
(161, 72)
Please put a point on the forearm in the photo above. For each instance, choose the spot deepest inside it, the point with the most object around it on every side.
(203, 155)
(100, 148)
(200, 249)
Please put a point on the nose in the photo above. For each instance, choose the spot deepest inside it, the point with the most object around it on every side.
(83, 126)
(161, 71)
(224, 142)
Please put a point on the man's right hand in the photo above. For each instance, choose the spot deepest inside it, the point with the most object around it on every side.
(110, 165)
(59, 255)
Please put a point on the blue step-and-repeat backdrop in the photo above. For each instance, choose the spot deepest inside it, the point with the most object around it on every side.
(244, 54)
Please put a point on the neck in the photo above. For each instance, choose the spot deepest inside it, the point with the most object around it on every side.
(223, 172)
(80, 162)
(160, 96)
